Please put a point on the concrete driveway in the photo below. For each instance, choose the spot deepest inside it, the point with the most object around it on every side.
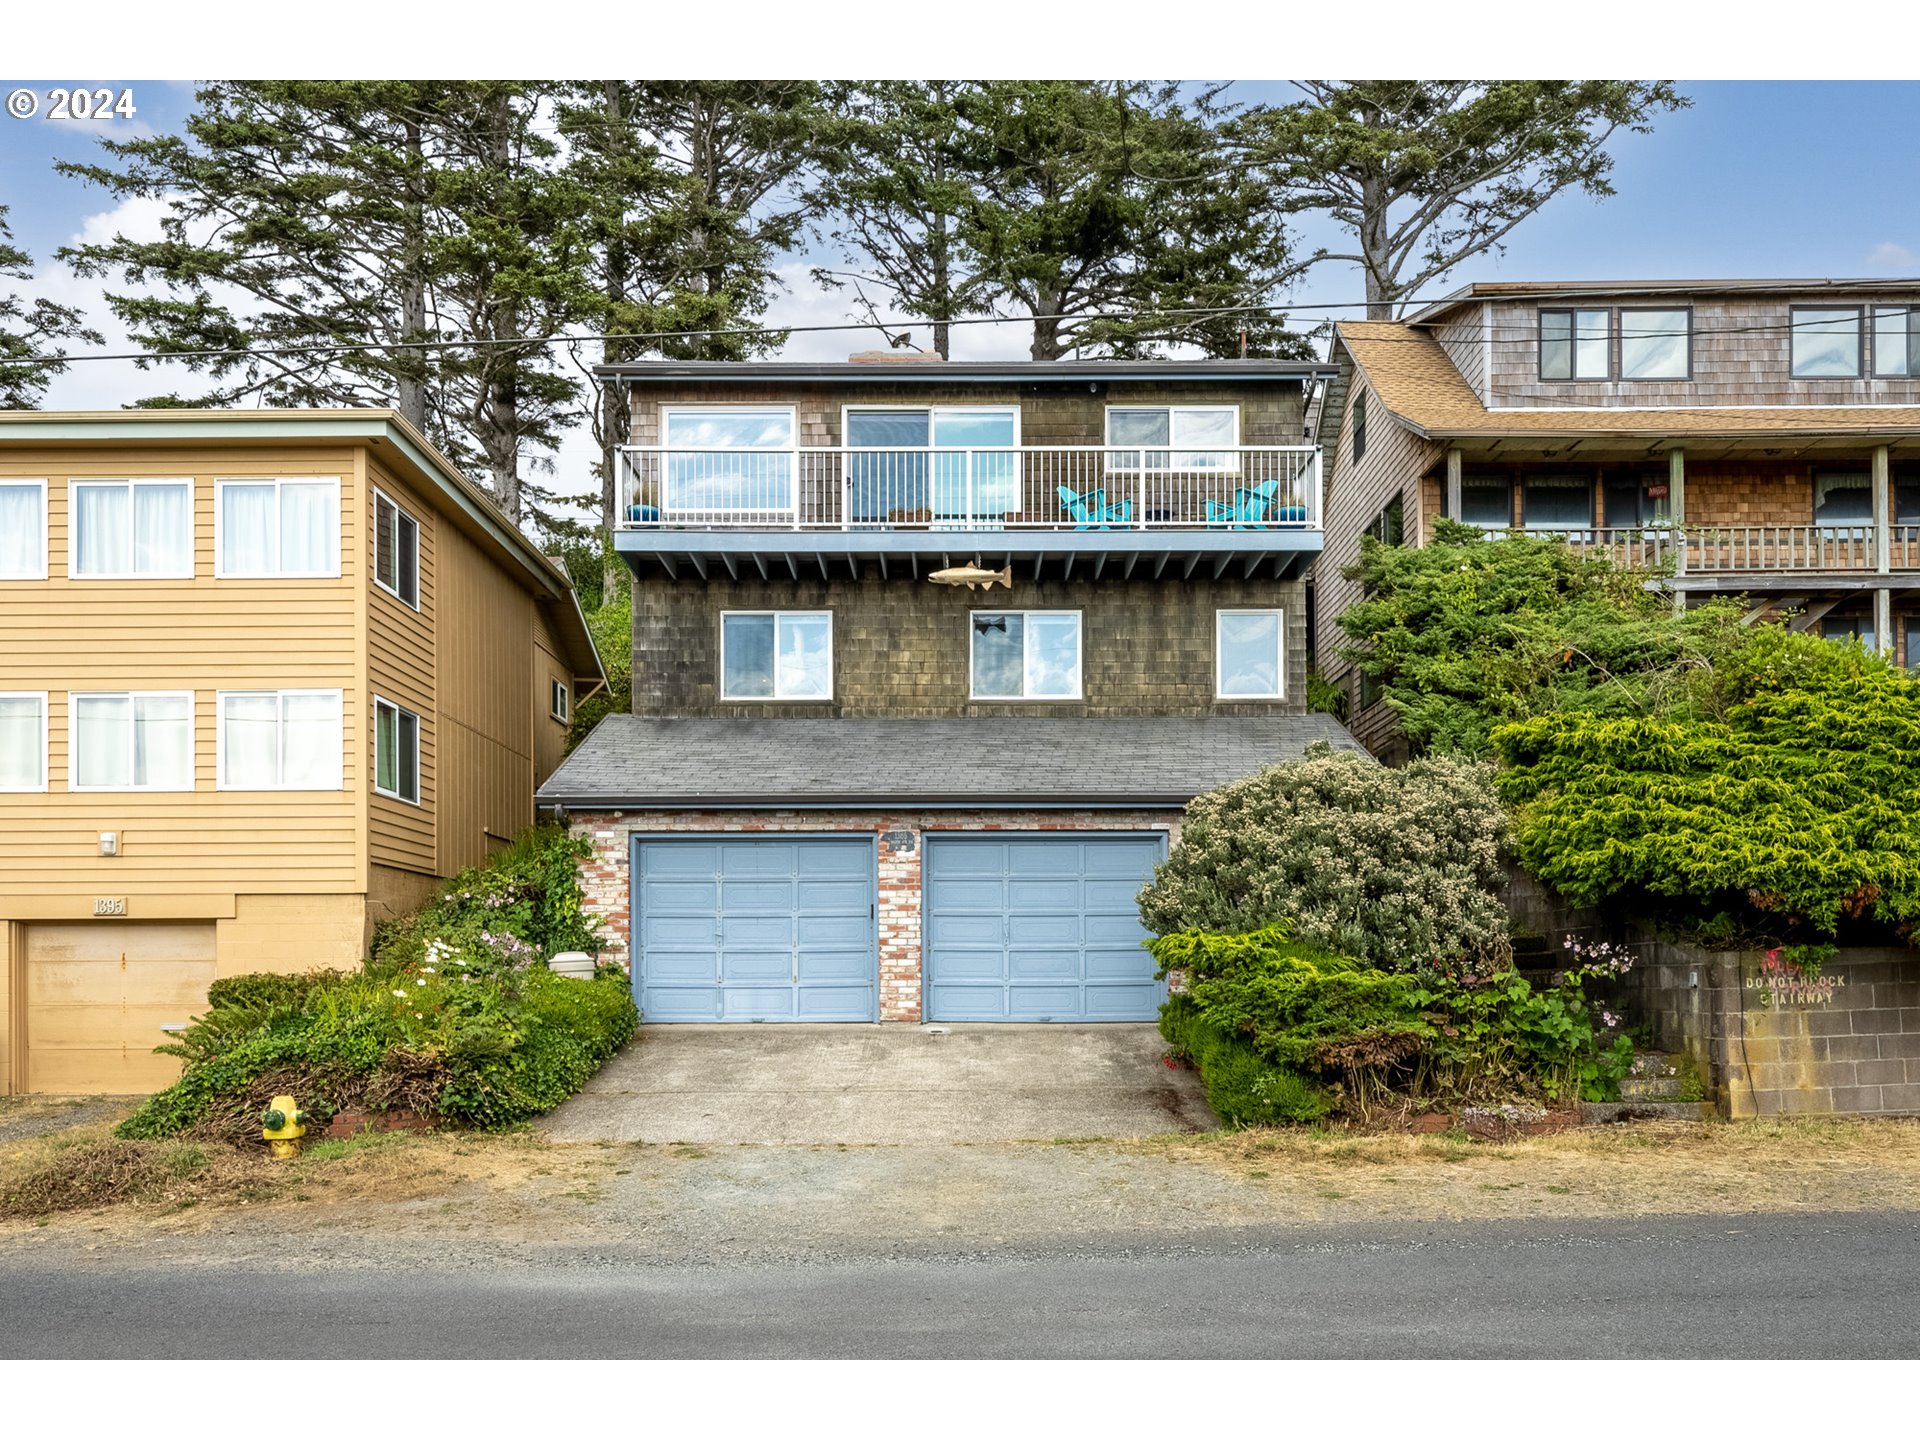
(883, 1085)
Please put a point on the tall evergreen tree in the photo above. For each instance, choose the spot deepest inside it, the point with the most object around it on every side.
(327, 236)
(31, 331)
(746, 150)
(1426, 174)
(1102, 211)
(898, 171)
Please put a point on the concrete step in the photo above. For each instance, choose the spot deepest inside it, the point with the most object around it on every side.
(1614, 1112)
(1651, 1076)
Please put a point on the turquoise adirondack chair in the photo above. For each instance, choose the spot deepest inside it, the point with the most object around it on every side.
(1091, 510)
(1249, 508)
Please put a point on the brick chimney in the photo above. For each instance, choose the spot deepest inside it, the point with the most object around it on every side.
(895, 357)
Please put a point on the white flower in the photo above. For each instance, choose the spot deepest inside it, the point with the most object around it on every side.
(427, 968)
(420, 982)
(401, 993)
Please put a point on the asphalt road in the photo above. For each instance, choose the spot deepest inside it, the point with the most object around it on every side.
(1759, 1286)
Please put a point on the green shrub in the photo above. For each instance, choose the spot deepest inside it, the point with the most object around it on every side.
(1280, 1031)
(1397, 868)
(1243, 1088)
(1795, 806)
(455, 1018)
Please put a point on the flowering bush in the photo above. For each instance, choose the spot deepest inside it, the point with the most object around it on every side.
(1396, 868)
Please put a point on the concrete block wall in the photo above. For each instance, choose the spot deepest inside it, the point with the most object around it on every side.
(1844, 1043)
(607, 881)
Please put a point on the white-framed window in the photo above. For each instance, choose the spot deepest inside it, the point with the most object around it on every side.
(559, 700)
(1024, 655)
(23, 529)
(396, 751)
(284, 528)
(130, 740)
(1826, 341)
(1173, 437)
(280, 740)
(23, 740)
(1896, 343)
(1574, 344)
(130, 529)
(729, 458)
(776, 655)
(1250, 654)
(1656, 344)
(396, 550)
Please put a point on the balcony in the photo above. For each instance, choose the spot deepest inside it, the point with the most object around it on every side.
(1846, 549)
(1047, 504)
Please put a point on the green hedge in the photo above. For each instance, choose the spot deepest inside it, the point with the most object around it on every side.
(456, 1016)
(1281, 1031)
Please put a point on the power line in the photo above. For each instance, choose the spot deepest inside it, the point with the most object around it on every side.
(1517, 336)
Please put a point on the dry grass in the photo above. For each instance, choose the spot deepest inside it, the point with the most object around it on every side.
(1638, 1169)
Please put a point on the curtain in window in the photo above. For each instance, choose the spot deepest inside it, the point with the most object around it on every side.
(1843, 497)
(247, 529)
(310, 742)
(162, 742)
(100, 529)
(307, 525)
(21, 749)
(250, 741)
(162, 529)
(100, 731)
(22, 531)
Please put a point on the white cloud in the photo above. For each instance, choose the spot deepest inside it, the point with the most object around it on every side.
(1890, 255)
(100, 384)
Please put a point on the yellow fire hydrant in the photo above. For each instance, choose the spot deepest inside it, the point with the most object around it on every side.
(285, 1123)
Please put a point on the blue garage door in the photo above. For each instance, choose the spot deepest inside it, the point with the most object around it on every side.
(755, 929)
(1040, 928)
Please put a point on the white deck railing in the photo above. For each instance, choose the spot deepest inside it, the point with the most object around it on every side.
(1752, 549)
(1062, 487)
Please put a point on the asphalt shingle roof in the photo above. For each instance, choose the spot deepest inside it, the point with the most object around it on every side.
(1416, 381)
(633, 762)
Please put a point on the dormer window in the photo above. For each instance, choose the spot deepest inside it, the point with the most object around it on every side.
(1656, 344)
(1573, 345)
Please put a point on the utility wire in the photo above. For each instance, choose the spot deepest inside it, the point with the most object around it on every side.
(1518, 335)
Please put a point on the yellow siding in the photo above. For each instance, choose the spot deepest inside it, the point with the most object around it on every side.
(392, 894)
(203, 635)
(10, 950)
(486, 636)
(292, 933)
(549, 735)
(402, 667)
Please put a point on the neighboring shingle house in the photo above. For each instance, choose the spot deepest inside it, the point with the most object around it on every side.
(1757, 438)
(266, 677)
(849, 792)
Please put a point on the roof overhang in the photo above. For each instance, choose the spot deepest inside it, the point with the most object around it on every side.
(965, 372)
(1595, 289)
(1173, 554)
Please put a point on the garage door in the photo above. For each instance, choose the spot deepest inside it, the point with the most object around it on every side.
(755, 929)
(97, 996)
(1040, 928)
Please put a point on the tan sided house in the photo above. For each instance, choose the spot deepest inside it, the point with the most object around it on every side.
(1754, 438)
(265, 676)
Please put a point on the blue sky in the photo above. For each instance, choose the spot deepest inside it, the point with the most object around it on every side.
(1757, 179)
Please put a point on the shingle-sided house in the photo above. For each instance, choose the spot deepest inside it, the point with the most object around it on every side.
(851, 792)
(1757, 438)
(265, 678)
